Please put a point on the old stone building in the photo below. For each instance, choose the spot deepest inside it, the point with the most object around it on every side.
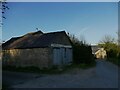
(39, 49)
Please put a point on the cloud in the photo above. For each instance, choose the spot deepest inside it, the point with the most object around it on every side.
(84, 29)
(81, 31)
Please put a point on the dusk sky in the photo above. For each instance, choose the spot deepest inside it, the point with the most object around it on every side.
(91, 20)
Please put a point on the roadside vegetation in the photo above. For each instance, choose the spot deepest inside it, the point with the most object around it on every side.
(112, 49)
(53, 70)
(82, 52)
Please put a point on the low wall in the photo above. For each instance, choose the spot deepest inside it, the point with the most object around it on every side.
(39, 57)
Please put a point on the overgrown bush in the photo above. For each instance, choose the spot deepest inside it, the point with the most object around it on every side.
(82, 52)
(112, 49)
(118, 52)
(113, 52)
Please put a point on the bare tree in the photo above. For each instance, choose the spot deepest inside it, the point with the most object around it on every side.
(107, 39)
(82, 39)
(73, 38)
(3, 8)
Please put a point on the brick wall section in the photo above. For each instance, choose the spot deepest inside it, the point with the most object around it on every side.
(39, 57)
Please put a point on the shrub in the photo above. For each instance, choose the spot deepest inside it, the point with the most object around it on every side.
(112, 49)
(113, 52)
(82, 53)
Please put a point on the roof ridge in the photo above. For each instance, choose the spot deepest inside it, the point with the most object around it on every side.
(54, 32)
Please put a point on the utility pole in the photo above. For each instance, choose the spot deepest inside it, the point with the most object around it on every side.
(119, 23)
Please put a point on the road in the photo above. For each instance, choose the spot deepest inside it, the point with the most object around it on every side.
(104, 75)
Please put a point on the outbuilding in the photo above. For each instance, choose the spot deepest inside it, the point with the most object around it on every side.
(38, 49)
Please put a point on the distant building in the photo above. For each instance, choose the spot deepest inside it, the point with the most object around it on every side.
(101, 53)
(95, 48)
(98, 52)
(39, 49)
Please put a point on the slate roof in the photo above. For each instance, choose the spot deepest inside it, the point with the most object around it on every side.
(95, 48)
(37, 40)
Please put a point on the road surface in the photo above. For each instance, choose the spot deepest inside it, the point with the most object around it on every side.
(104, 75)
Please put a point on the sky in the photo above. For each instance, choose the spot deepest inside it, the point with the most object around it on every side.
(89, 20)
(63, 0)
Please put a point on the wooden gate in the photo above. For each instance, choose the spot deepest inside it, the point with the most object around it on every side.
(56, 56)
(62, 56)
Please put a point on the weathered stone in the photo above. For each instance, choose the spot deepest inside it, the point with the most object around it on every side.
(39, 57)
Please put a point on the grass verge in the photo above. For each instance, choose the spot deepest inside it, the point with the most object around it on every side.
(53, 70)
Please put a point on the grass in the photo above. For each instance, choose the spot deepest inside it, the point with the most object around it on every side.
(32, 69)
(53, 70)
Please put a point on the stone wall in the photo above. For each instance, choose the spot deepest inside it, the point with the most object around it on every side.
(39, 57)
